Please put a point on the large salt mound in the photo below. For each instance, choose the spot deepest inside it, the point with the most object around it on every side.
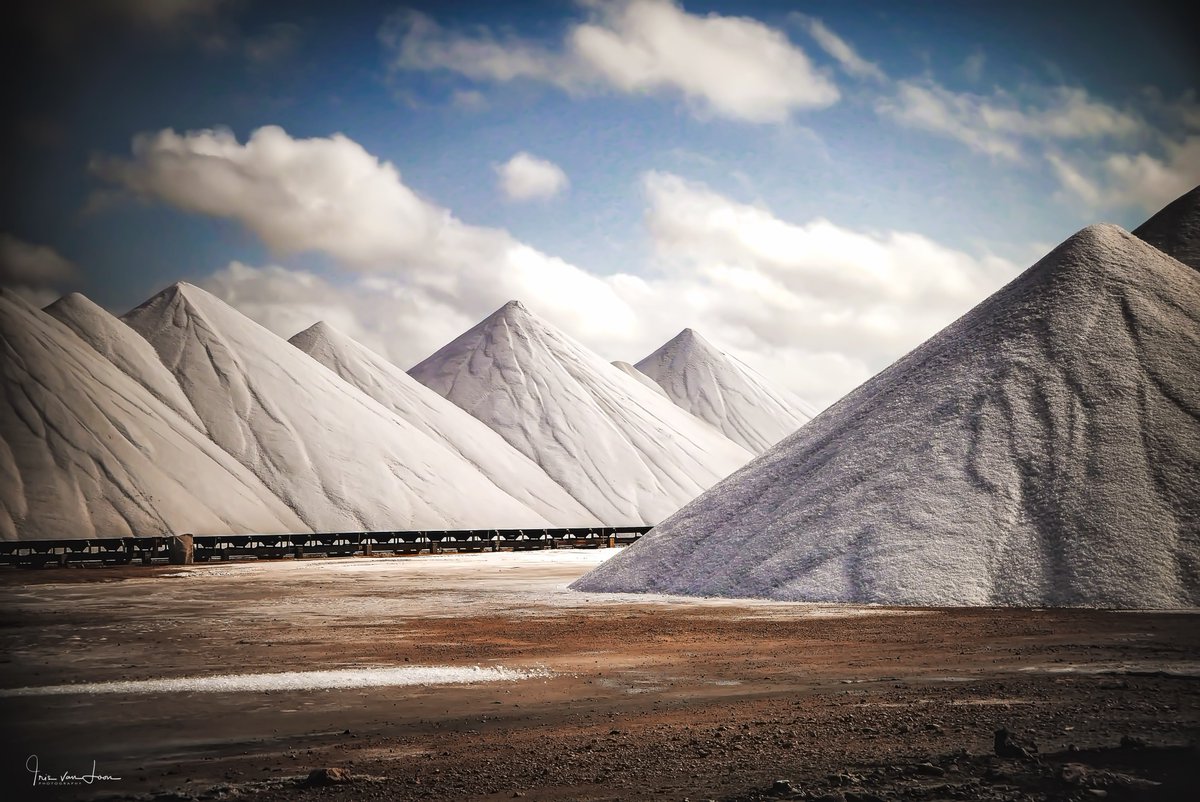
(1175, 230)
(86, 451)
(1042, 450)
(722, 390)
(510, 470)
(125, 348)
(626, 453)
(338, 458)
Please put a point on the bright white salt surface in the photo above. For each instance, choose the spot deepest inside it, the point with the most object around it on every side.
(124, 347)
(623, 451)
(86, 451)
(724, 391)
(443, 422)
(630, 370)
(1040, 451)
(337, 457)
(397, 676)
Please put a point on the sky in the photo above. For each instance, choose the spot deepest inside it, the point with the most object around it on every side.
(817, 187)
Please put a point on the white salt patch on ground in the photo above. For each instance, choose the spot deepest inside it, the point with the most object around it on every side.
(1173, 669)
(449, 585)
(724, 391)
(397, 676)
(626, 453)
(1040, 451)
(336, 456)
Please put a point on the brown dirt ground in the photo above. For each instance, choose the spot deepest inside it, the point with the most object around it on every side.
(647, 700)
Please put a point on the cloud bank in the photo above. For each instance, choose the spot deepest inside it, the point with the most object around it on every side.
(816, 305)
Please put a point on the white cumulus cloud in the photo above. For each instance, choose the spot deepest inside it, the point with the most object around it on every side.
(36, 272)
(732, 67)
(526, 177)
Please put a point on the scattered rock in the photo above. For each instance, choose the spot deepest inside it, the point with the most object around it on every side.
(783, 788)
(327, 776)
(1007, 745)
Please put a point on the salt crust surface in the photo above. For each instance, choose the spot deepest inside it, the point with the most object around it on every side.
(1043, 450)
(334, 455)
(623, 451)
(724, 391)
(86, 451)
(442, 421)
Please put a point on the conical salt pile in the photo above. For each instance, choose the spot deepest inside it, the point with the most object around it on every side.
(1042, 450)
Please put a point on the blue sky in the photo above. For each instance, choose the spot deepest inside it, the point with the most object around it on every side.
(815, 186)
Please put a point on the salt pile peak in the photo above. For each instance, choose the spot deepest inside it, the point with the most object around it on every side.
(724, 391)
(338, 458)
(626, 453)
(124, 347)
(1042, 450)
(1175, 230)
(87, 451)
(442, 421)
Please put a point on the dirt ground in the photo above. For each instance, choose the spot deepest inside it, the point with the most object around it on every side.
(630, 698)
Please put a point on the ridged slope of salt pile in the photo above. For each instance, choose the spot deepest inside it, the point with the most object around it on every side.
(1042, 450)
(630, 370)
(626, 453)
(445, 423)
(86, 451)
(722, 390)
(124, 347)
(334, 455)
(1175, 230)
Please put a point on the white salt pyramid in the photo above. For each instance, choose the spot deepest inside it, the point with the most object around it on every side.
(86, 451)
(623, 451)
(1042, 450)
(334, 455)
(443, 422)
(724, 391)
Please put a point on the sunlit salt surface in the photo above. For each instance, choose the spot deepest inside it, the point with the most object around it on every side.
(295, 681)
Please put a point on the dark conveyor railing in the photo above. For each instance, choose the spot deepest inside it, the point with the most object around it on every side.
(148, 550)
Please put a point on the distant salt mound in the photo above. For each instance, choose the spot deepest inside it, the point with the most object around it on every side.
(86, 451)
(724, 391)
(442, 421)
(1042, 450)
(624, 452)
(1176, 229)
(334, 455)
(125, 348)
(630, 370)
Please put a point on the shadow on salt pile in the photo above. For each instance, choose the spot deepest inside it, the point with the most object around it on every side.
(295, 681)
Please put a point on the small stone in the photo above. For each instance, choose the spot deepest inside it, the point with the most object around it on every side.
(782, 787)
(929, 770)
(1006, 745)
(327, 776)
